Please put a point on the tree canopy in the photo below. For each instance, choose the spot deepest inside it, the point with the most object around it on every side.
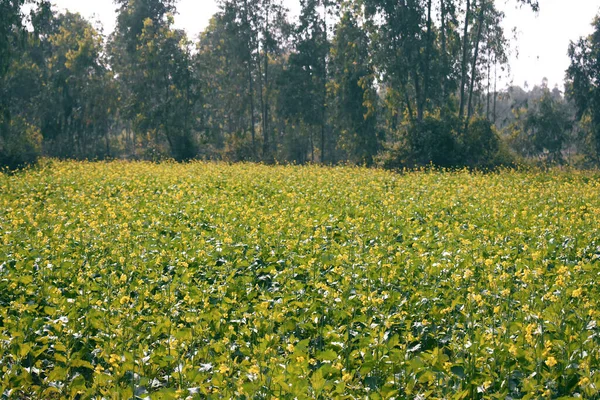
(394, 83)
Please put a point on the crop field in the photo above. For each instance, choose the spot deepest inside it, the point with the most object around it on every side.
(122, 280)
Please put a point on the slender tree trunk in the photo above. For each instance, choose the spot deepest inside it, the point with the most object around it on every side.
(407, 100)
(444, 53)
(107, 139)
(251, 96)
(425, 88)
(482, 6)
(323, 106)
(266, 133)
(312, 147)
(323, 140)
(261, 96)
(166, 122)
(250, 81)
(489, 71)
(133, 142)
(417, 94)
(465, 60)
(6, 118)
(495, 86)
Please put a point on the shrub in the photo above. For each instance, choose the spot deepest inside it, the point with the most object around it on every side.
(20, 144)
(480, 144)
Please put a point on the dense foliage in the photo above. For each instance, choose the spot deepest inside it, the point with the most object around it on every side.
(215, 281)
(365, 81)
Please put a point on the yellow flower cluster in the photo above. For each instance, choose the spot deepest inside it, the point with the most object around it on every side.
(207, 280)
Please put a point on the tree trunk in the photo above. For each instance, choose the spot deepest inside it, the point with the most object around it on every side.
(482, 6)
(266, 142)
(251, 96)
(427, 68)
(495, 85)
(407, 100)
(489, 72)
(444, 53)
(323, 106)
(250, 82)
(463, 79)
(107, 139)
(312, 146)
(166, 122)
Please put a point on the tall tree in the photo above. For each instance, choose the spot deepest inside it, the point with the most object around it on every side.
(305, 78)
(20, 83)
(222, 65)
(153, 63)
(78, 98)
(273, 30)
(542, 130)
(352, 90)
(583, 84)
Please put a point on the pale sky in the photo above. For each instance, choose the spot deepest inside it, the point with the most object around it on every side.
(541, 44)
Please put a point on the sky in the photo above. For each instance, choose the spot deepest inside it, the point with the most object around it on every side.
(538, 45)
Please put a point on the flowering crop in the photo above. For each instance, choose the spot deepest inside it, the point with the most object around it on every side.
(121, 280)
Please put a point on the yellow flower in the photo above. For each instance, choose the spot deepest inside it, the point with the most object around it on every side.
(584, 381)
(223, 369)
(577, 292)
(551, 361)
(254, 370)
(468, 273)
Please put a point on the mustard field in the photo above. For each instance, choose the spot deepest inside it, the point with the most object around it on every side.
(206, 281)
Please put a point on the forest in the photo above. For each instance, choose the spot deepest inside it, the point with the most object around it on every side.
(370, 82)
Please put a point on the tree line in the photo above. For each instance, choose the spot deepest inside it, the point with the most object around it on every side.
(398, 83)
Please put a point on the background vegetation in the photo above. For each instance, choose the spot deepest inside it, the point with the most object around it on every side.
(397, 83)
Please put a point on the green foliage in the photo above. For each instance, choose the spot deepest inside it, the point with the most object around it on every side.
(583, 85)
(544, 129)
(447, 143)
(433, 141)
(12, 127)
(399, 82)
(154, 65)
(76, 89)
(352, 93)
(20, 145)
(248, 281)
(480, 144)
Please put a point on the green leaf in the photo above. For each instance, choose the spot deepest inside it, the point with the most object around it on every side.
(458, 370)
(328, 355)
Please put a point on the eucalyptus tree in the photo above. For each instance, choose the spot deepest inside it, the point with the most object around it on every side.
(304, 81)
(583, 86)
(273, 33)
(20, 83)
(353, 96)
(76, 111)
(227, 115)
(402, 38)
(154, 67)
(485, 21)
